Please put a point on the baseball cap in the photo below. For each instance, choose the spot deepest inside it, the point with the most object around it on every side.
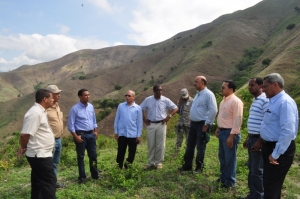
(53, 89)
(184, 93)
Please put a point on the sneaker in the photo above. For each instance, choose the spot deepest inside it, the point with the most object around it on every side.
(148, 167)
(247, 197)
(159, 166)
(81, 180)
(60, 186)
(197, 171)
(184, 169)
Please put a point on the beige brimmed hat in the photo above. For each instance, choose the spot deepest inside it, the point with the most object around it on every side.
(184, 93)
(53, 89)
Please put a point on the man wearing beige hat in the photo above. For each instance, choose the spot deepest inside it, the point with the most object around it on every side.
(55, 118)
(184, 106)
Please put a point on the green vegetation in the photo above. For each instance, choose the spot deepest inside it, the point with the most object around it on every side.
(266, 62)
(135, 182)
(245, 65)
(38, 86)
(107, 106)
(291, 26)
(207, 44)
(297, 9)
(82, 77)
(118, 87)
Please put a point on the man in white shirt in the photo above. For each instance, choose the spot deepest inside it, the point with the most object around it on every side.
(37, 140)
(155, 109)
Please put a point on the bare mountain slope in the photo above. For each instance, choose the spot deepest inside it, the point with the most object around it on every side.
(211, 49)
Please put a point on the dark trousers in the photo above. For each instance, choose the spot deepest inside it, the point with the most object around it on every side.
(195, 137)
(274, 175)
(123, 142)
(89, 143)
(43, 179)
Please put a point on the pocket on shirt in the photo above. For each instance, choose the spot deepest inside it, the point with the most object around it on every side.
(133, 115)
(269, 117)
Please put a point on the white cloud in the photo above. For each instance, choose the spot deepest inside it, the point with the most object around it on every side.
(118, 44)
(37, 48)
(157, 20)
(63, 29)
(102, 4)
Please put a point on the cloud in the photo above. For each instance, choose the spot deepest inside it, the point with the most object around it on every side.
(118, 44)
(63, 29)
(37, 48)
(153, 23)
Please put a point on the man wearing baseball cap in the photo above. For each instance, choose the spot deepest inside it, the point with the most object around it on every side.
(55, 118)
(183, 125)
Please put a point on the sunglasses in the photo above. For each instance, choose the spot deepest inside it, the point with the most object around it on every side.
(128, 95)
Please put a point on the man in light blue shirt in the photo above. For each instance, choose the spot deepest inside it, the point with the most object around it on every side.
(128, 127)
(254, 142)
(83, 127)
(155, 116)
(203, 112)
(278, 130)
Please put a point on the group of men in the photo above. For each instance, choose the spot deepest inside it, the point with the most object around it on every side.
(272, 128)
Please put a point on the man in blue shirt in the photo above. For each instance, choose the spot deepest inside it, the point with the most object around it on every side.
(254, 142)
(155, 116)
(278, 130)
(83, 127)
(203, 112)
(128, 127)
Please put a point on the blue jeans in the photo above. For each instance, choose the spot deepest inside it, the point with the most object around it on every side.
(227, 158)
(255, 176)
(89, 143)
(56, 154)
(195, 138)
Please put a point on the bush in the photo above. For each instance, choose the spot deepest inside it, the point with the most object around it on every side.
(82, 77)
(207, 44)
(266, 62)
(290, 26)
(118, 87)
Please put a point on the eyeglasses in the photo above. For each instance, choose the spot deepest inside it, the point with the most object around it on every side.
(158, 90)
(223, 87)
(128, 95)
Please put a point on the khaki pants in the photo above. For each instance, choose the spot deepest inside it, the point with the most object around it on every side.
(156, 138)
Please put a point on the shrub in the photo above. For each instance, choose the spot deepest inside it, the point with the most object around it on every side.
(266, 62)
(207, 44)
(118, 87)
(82, 77)
(290, 26)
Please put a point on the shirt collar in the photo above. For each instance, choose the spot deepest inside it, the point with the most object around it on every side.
(262, 95)
(228, 97)
(134, 104)
(40, 106)
(276, 97)
(198, 92)
(81, 104)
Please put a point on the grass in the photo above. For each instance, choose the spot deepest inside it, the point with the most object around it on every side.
(137, 183)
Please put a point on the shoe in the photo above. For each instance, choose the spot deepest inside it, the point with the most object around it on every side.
(197, 171)
(97, 177)
(148, 167)
(60, 186)
(247, 197)
(81, 180)
(184, 169)
(159, 166)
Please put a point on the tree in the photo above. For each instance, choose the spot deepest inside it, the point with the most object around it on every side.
(290, 26)
(266, 62)
(118, 87)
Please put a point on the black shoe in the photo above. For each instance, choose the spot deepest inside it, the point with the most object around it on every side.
(97, 177)
(81, 180)
(184, 169)
(60, 186)
(197, 171)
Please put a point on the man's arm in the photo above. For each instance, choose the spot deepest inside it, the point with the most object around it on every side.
(71, 126)
(212, 112)
(24, 138)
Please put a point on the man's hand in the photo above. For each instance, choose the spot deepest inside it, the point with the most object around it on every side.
(21, 151)
(245, 144)
(146, 121)
(116, 136)
(166, 120)
(96, 134)
(229, 141)
(77, 138)
(138, 140)
(217, 133)
(205, 128)
(272, 160)
(257, 146)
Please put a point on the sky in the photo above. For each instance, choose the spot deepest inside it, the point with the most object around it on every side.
(36, 31)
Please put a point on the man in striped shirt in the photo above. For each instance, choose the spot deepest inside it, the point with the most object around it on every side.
(254, 142)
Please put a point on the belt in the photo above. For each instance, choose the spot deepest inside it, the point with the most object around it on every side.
(224, 129)
(155, 121)
(57, 138)
(253, 135)
(200, 122)
(80, 132)
(268, 142)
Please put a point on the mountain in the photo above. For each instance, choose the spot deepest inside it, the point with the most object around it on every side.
(212, 50)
